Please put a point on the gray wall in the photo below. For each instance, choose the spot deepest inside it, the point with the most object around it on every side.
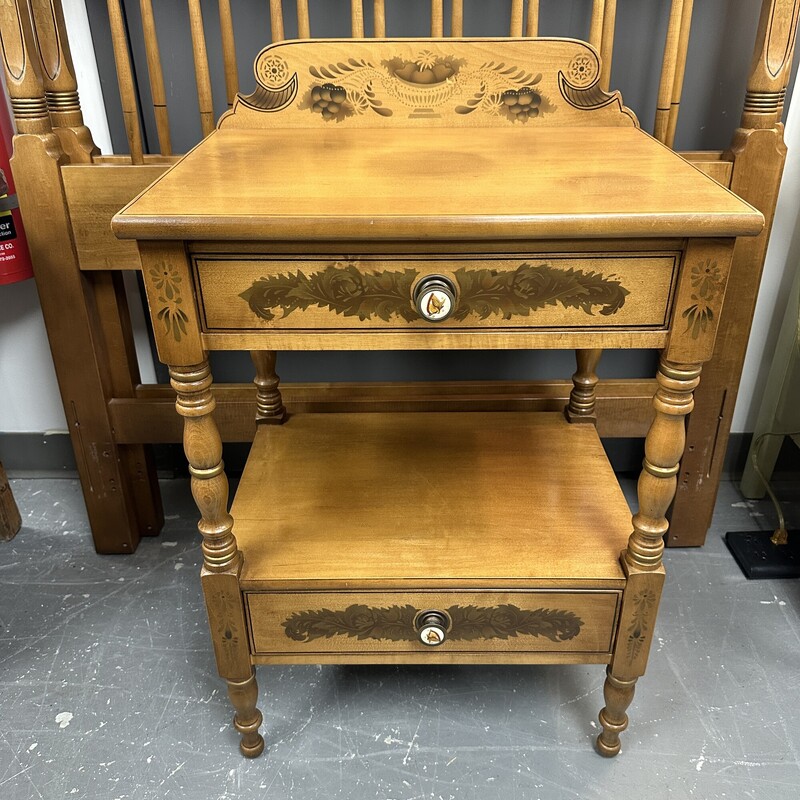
(719, 55)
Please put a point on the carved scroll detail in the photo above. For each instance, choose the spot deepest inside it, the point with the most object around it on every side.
(266, 99)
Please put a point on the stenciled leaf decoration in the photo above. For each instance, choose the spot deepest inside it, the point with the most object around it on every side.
(469, 623)
(345, 290)
(342, 289)
(395, 623)
(529, 288)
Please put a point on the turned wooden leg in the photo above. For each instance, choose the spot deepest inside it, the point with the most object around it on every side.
(583, 398)
(247, 719)
(642, 559)
(618, 695)
(270, 410)
(222, 561)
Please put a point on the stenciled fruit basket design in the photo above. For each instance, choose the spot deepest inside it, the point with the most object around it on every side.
(424, 85)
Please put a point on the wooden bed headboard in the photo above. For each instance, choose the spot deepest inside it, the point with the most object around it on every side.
(63, 179)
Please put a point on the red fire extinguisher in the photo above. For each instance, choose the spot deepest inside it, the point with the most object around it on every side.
(15, 260)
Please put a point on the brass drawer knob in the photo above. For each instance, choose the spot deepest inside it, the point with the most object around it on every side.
(435, 298)
(432, 628)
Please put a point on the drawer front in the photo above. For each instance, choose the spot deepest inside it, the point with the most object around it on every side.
(397, 622)
(626, 290)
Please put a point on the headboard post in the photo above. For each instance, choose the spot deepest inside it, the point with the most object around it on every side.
(60, 84)
(23, 69)
(758, 153)
(771, 64)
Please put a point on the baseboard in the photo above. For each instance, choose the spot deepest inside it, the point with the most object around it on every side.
(42, 454)
(50, 454)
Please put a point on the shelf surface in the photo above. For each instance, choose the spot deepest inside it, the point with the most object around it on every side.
(405, 183)
(404, 500)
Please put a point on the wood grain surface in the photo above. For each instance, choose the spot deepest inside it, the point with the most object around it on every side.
(437, 183)
(430, 499)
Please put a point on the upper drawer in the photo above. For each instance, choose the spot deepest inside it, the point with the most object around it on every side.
(623, 290)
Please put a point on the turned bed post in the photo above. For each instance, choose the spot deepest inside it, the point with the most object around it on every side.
(121, 506)
(60, 85)
(758, 153)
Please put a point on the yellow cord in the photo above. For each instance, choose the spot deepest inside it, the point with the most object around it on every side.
(780, 536)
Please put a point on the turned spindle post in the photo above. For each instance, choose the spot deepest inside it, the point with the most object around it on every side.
(269, 403)
(60, 83)
(222, 560)
(664, 445)
(583, 397)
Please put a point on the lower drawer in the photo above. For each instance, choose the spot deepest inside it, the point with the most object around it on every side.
(308, 623)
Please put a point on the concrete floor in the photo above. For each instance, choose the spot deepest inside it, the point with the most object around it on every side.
(109, 689)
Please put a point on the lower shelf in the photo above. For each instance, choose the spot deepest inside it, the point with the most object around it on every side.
(508, 525)
(430, 500)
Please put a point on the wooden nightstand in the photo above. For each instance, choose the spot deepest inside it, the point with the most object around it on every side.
(409, 194)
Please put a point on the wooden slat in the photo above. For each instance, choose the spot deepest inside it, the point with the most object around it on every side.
(276, 20)
(516, 18)
(607, 42)
(457, 19)
(228, 51)
(596, 26)
(680, 70)
(201, 71)
(437, 19)
(303, 21)
(357, 18)
(624, 407)
(127, 90)
(532, 24)
(668, 66)
(156, 75)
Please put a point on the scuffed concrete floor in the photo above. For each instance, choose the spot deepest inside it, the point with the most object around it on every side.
(109, 689)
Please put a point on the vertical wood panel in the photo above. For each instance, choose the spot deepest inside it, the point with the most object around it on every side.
(516, 18)
(127, 92)
(680, 70)
(457, 19)
(156, 76)
(357, 18)
(303, 21)
(437, 19)
(201, 72)
(228, 51)
(276, 20)
(607, 42)
(532, 25)
(668, 65)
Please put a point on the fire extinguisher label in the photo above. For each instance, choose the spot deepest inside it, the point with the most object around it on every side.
(7, 228)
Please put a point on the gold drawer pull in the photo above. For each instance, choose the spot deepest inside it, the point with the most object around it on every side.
(435, 298)
(432, 627)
